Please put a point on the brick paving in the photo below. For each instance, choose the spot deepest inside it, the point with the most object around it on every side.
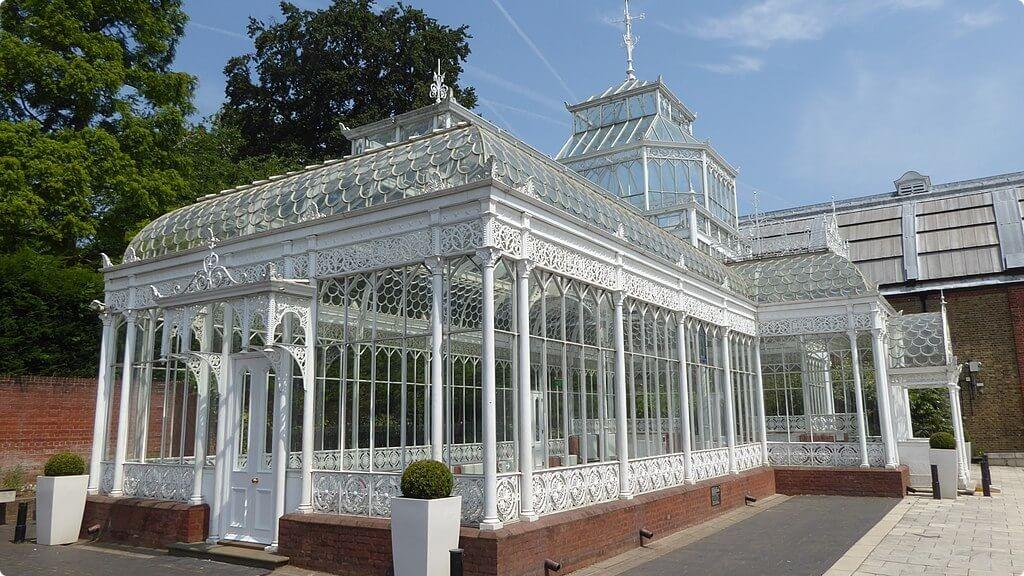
(969, 536)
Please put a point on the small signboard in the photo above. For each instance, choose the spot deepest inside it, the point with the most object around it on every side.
(716, 495)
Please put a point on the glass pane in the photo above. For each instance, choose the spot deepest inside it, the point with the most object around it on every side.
(268, 426)
(243, 423)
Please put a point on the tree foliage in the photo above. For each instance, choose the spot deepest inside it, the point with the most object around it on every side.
(69, 64)
(347, 63)
(46, 326)
(95, 137)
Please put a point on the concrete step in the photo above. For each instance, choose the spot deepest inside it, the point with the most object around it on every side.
(252, 556)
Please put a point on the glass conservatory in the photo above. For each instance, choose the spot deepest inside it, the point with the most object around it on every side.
(448, 292)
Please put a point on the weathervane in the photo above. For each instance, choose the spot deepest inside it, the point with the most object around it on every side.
(438, 90)
(628, 40)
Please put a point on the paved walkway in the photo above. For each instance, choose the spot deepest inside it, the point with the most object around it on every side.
(85, 559)
(969, 536)
(801, 535)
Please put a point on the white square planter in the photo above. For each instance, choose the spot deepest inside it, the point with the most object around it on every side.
(60, 503)
(946, 460)
(422, 534)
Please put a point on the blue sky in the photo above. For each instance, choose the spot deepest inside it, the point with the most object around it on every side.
(809, 98)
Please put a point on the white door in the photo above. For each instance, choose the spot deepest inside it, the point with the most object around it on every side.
(250, 498)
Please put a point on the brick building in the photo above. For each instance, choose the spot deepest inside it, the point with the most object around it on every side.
(963, 240)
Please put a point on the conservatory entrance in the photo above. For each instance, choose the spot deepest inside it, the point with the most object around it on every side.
(250, 510)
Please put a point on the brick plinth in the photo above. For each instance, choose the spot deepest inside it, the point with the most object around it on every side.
(147, 523)
(578, 538)
(888, 482)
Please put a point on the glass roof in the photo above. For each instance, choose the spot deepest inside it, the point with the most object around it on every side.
(439, 160)
(654, 128)
(802, 277)
(917, 340)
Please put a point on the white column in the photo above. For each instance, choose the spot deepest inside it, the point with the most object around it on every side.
(220, 455)
(489, 258)
(121, 448)
(526, 512)
(436, 266)
(881, 355)
(958, 433)
(621, 444)
(202, 411)
(684, 401)
(281, 404)
(730, 408)
(309, 394)
(761, 420)
(858, 390)
(99, 421)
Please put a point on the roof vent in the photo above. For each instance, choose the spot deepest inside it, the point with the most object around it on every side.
(912, 183)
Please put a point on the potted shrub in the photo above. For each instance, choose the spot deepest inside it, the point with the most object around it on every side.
(942, 453)
(425, 520)
(60, 499)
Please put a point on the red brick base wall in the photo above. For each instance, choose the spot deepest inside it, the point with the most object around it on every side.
(578, 538)
(890, 483)
(147, 523)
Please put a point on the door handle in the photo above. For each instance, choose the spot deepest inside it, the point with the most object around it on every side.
(255, 480)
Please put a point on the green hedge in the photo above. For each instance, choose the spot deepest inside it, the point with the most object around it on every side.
(427, 480)
(64, 464)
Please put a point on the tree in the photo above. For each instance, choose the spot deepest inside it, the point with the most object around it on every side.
(69, 64)
(90, 114)
(347, 63)
(46, 326)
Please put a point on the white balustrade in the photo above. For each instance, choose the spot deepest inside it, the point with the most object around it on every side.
(158, 481)
(710, 463)
(656, 473)
(824, 454)
(561, 489)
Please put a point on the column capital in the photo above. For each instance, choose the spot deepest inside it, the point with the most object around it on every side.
(524, 266)
(488, 256)
(435, 264)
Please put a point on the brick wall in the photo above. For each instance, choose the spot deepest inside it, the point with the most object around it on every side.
(986, 324)
(889, 483)
(578, 538)
(42, 415)
(146, 523)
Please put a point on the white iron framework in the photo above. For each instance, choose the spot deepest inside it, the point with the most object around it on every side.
(448, 292)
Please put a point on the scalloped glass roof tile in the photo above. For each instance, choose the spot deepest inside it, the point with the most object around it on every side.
(917, 340)
(802, 277)
(440, 160)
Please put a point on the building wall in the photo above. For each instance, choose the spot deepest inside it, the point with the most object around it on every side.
(43, 415)
(986, 324)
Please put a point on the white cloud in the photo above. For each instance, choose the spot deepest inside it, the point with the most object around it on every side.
(738, 64)
(858, 135)
(217, 30)
(971, 21)
(768, 22)
(533, 47)
(516, 87)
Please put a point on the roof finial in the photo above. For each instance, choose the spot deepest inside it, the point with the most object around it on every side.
(628, 40)
(438, 90)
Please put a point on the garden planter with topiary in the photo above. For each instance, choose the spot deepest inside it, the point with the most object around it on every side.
(942, 453)
(425, 520)
(60, 499)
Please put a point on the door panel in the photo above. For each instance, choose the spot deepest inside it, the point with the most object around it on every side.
(251, 493)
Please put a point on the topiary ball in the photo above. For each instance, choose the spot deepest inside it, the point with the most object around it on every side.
(64, 464)
(942, 441)
(427, 480)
